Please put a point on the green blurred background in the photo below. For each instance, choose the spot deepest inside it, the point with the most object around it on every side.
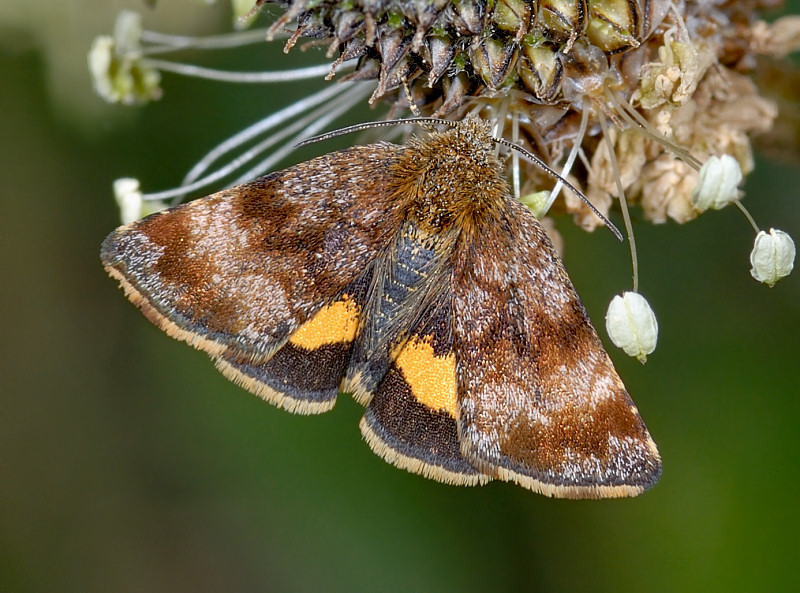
(127, 463)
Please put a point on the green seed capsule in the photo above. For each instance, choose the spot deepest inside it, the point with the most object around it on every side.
(562, 20)
(493, 60)
(541, 70)
(614, 24)
(513, 16)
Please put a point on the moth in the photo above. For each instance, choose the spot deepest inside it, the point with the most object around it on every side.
(409, 277)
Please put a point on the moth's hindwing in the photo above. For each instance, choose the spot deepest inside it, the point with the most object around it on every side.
(539, 401)
(305, 374)
(411, 420)
(238, 272)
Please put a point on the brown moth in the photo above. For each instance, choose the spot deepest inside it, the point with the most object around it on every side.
(409, 277)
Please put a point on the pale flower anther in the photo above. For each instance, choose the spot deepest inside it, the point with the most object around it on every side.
(631, 325)
(772, 257)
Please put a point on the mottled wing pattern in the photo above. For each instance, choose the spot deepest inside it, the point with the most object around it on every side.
(539, 401)
(411, 419)
(237, 273)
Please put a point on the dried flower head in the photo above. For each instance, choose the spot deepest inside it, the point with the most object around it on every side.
(557, 67)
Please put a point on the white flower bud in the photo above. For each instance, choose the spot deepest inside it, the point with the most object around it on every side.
(772, 257)
(631, 325)
(129, 199)
(718, 184)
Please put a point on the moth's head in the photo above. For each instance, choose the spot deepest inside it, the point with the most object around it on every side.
(468, 147)
(452, 175)
(461, 159)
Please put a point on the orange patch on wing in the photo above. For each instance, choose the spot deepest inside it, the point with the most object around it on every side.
(333, 324)
(432, 378)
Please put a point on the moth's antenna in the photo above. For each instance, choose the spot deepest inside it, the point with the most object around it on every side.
(544, 167)
(374, 124)
(434, 121)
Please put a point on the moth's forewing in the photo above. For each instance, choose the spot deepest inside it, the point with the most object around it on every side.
(539, 401)
(237, 273)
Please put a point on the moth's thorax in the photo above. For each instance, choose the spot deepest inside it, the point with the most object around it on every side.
(452, 178)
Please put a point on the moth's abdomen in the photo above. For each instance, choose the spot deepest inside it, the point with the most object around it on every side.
(405, 280)
(406, 276)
